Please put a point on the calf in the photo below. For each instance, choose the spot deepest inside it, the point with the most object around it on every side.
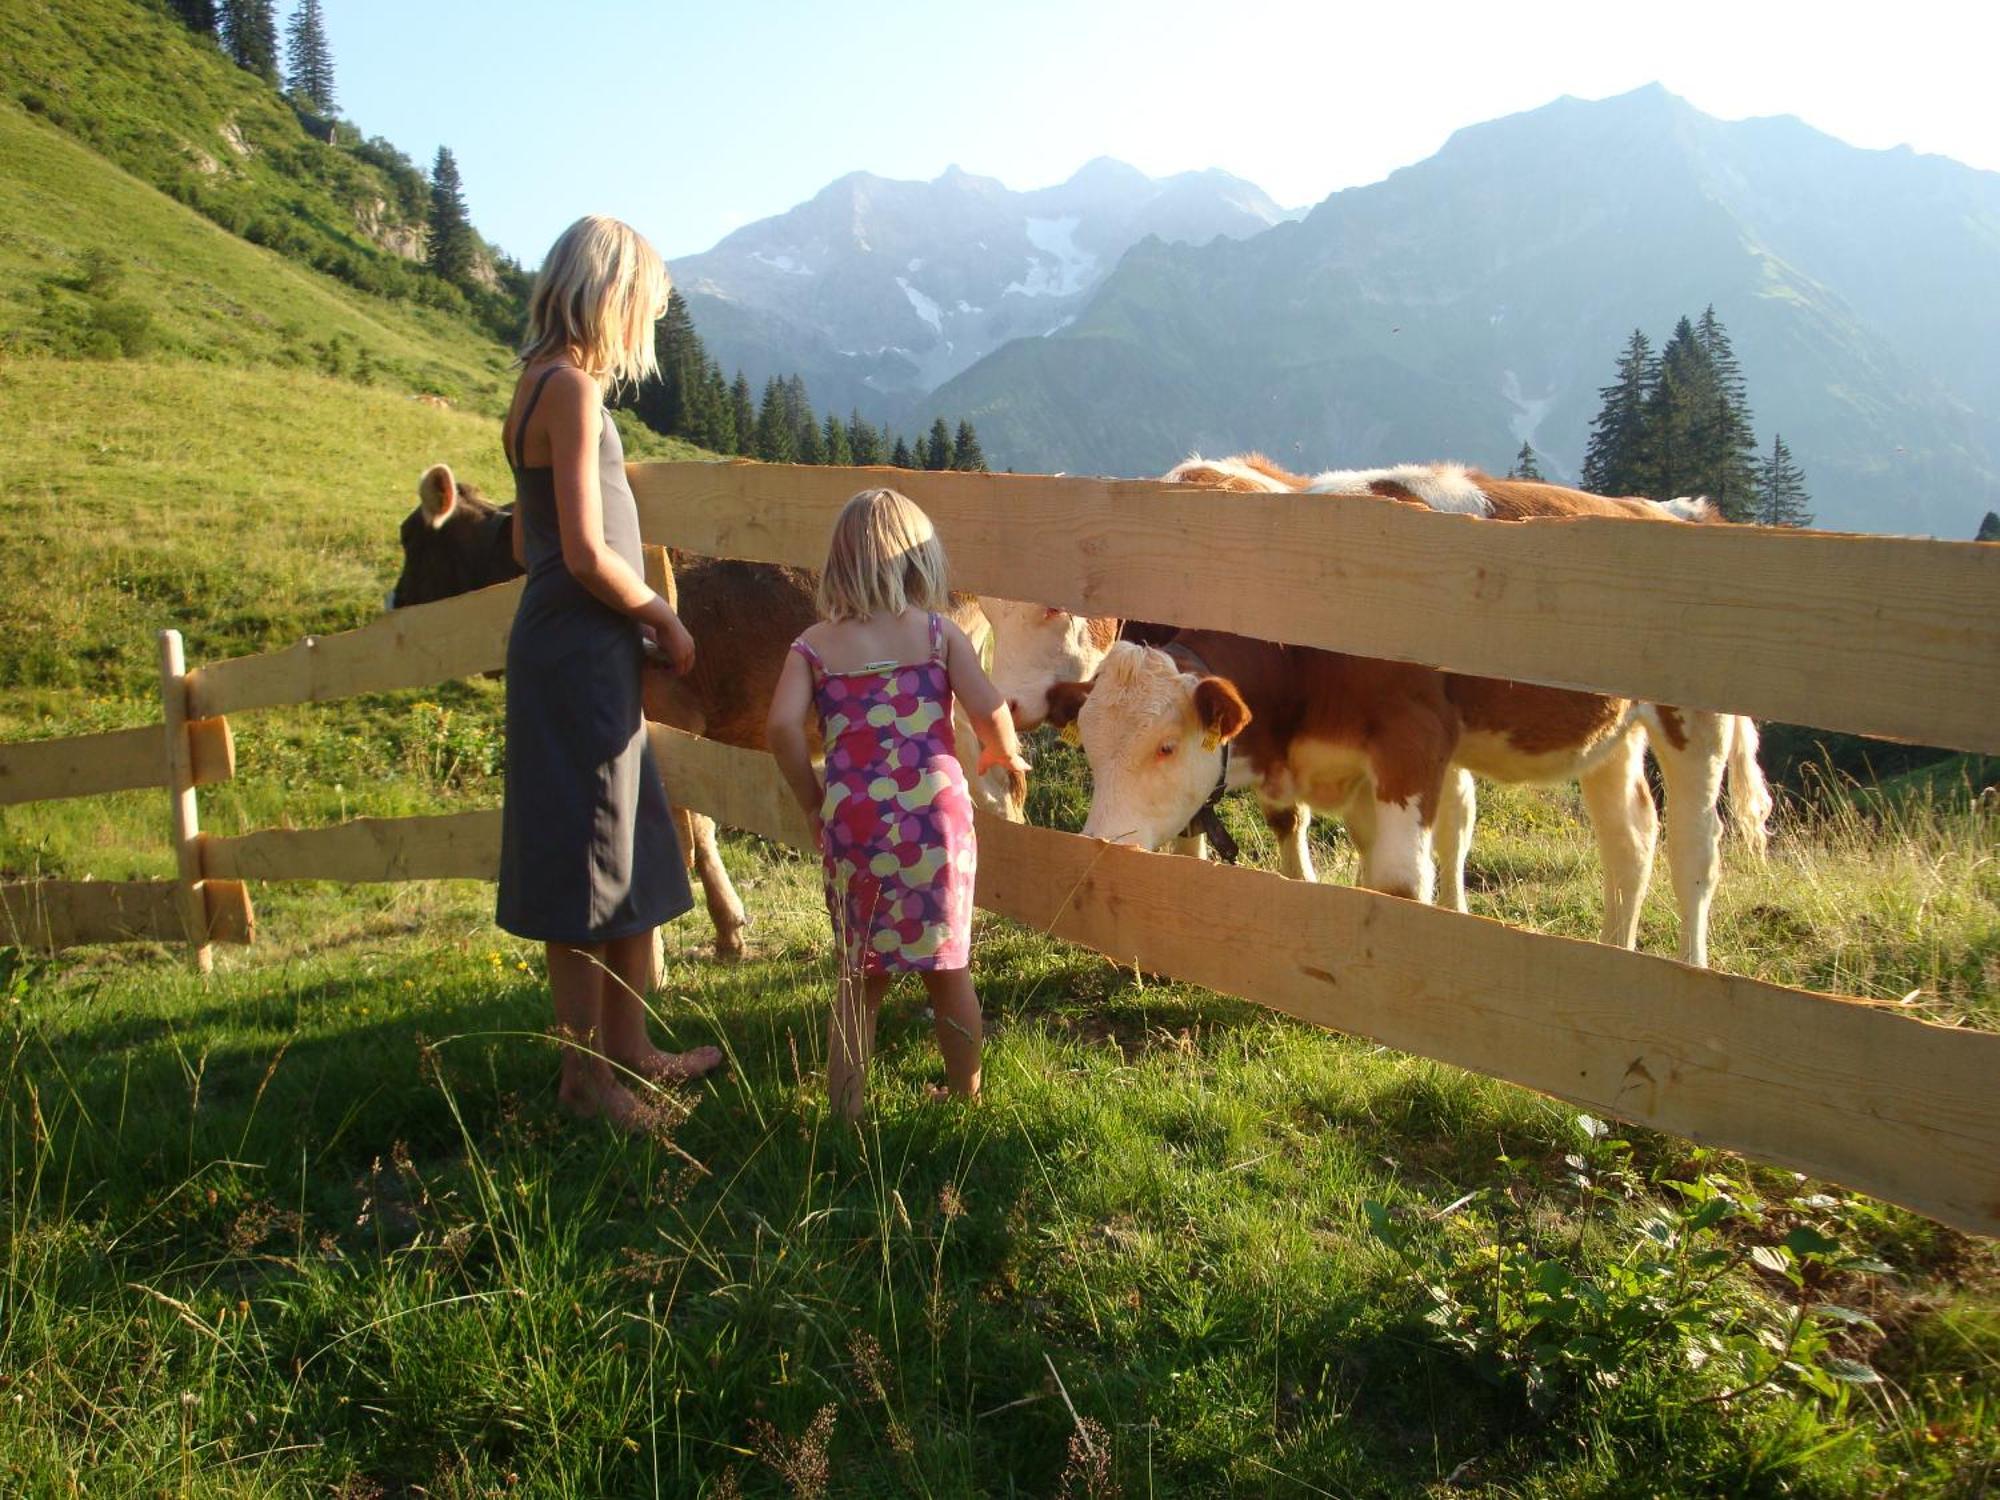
(1360, 738)
(742, 615)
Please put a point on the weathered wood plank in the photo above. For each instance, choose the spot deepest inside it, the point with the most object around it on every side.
(1885, 636)
(82, 765)
(54, 914)
(405, 648)
(1836, 1088)
(452, 846)
(119, 760)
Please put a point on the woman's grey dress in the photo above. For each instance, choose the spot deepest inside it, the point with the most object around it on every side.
(587, 845)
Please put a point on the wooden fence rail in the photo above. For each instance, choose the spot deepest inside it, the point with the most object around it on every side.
(121, 760)
(1883, 636)
(1837, 1088)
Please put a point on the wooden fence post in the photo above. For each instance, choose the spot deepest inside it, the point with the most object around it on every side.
(181, 796)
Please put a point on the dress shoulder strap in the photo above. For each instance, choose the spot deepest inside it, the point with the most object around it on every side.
(805, 648)
(527, 411)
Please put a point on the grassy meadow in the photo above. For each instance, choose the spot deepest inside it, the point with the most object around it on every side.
(315, 1227)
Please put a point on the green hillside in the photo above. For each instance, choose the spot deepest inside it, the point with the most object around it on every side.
(80, 235)
(131, 82)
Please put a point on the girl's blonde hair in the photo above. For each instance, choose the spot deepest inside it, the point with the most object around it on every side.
(884, 558)
(595, 302)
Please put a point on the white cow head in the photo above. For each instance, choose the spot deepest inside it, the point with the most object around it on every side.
(1154, 736)
(1036, 647)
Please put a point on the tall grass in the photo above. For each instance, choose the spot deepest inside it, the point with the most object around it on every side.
(317, 1226)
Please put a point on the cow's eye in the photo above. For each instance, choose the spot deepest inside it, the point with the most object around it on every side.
(1167, 749)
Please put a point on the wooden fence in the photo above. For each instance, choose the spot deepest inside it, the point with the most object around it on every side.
(1881, 636)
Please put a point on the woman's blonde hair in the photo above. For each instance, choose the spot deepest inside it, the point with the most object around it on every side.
(595, 302)
(884, 558)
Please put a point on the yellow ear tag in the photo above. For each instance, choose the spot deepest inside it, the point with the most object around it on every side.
(1071, 734)
(1212, 740)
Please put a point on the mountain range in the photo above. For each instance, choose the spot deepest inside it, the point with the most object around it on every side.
(878, 291)
(1460, 307)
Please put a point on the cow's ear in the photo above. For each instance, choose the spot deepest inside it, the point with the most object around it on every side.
(1066, 702)
(437, 495)
(1221, 709)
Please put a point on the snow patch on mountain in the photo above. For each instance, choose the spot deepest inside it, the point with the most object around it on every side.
(1528, 411)
(1067, 269)
(783, 263)
(922, 305)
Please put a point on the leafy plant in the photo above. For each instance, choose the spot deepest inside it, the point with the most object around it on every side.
(1552, 1324)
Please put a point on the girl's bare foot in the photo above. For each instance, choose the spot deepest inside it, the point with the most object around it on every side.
(657, 1066)
(937, 1093)
(609, 1101)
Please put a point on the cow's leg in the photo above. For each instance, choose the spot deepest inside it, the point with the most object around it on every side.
(725, 907)
(1359, 817)
(1408, 759)
(1620, 807)
(1399, 862)
(1692, 771)
(1458, 807)
(1291, 825)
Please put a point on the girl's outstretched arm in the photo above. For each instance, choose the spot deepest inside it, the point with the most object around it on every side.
(984, 707)
(785, 733)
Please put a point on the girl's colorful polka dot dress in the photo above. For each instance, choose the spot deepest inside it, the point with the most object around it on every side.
(896, 824)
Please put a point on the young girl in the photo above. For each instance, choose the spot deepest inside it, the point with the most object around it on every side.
(589, 863)
(894, 817)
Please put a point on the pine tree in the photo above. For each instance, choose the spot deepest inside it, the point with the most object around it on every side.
(450, 228)
(1989, 529)
(1729, 447)
(745, 415)
(250, 35)
(810, 449)
(668, 402)
(833, 442)
(937, 452)
(965, 454)
(1616, 461)
(864, 444)
(901, 457)
(1682, 402)
(720, 434)
(1781, 489)
(308, 57)
(1525, 466)
(199, 16)
(776, 436)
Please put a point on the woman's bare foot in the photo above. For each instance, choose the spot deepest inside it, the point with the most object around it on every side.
(610, 1101)
(657, 1066)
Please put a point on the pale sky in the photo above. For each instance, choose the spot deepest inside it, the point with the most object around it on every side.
(690, 119)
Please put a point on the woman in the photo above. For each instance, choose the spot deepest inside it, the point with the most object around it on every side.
(589, 864)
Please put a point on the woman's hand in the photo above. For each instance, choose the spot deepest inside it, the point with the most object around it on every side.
(676, 645)
(666, 637)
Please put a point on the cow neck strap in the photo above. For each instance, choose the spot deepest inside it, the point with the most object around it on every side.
(1208, 820)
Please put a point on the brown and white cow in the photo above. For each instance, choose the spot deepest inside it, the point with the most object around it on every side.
(1393, 748)
(742, 615)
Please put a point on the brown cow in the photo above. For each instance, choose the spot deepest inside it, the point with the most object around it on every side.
(1392, 748)
(742, 615)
